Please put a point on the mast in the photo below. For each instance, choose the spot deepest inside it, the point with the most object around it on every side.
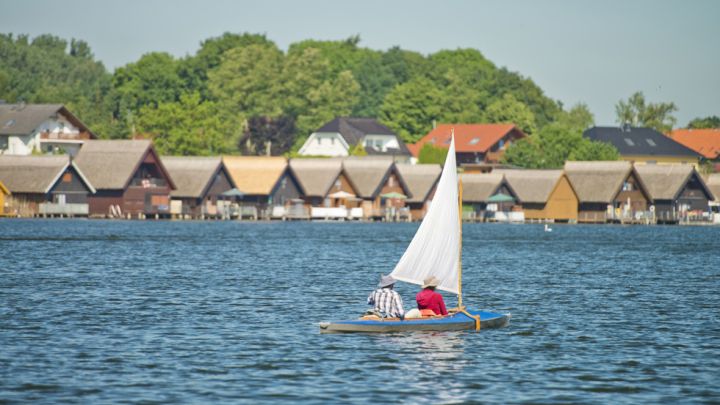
(460, 191)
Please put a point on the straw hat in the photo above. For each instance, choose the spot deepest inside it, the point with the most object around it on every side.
(431, 281)
(386, 281)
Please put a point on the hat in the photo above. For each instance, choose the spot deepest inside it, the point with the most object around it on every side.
(386, 281)
(431, 281)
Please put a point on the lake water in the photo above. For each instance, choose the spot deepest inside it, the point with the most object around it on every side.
(218, 312)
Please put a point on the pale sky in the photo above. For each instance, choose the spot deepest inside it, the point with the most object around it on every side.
(592, 51)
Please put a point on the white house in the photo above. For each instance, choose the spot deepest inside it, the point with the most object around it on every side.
(339, 136)
(47, 128)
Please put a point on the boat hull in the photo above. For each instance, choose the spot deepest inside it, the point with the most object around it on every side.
(454, 322)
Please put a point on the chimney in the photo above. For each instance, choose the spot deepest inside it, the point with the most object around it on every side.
(626, 127)
(434, 124)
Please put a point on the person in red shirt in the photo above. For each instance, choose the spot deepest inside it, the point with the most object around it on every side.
(429, 299)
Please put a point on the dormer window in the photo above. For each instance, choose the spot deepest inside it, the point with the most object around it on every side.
(10, 123)
(651, 142)
(629, 142)
(475, 141)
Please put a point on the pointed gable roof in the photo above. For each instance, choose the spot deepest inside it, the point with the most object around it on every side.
(193, 175)
(36, 174)
(368, 175)
(255, 175)
(598, 182)
(666, 182)
(316, 176)
(703, 141)
(479, 187)
(110, 164)
(532, 186)
(420, 179)
(23, 119)
(468, 137)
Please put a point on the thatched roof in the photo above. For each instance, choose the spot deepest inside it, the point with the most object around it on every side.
(110, 164)
(713, 183)
(664, 182)
(192, 174)
(4, 189)
(35, 174)
(316, 176)
(478, 187)
(255, 175)
(531, 186)
(367, 174)
(597, 182)
(420, 179)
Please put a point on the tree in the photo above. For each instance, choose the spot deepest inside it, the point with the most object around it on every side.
(707, 122)
(555, 144)
(578, 117)
(638, 113)
(432, 154)
(410, 108)
(189, 126)
(509, 110)
(358, 150)
(277, 133)
(150, 81)
(247, 81)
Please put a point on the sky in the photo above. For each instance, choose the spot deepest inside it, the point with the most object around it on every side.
(596, 52)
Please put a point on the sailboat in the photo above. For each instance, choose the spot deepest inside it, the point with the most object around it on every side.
(435, 250)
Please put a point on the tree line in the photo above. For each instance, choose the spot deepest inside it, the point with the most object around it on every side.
(240, 93)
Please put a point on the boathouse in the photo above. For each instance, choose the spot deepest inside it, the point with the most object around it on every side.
(489, 197)
(4, 193)
(326, 189)
(266, 182)
(678, 192)
(421, 180)
(130, 179)
(380, 186)
(545, 195)
(609, 191)
(200, 183)
(45, 185)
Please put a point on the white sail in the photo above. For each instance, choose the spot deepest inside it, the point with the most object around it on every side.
(435, 248)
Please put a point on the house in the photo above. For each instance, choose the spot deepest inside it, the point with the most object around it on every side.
(339, 136)
(326, 188)
(608, 191)
(713, 183)
(421, 180)
(380, 186)
(545, 195)
(48, 128)
(266, 182)
(45, 185)
(474, 143)
(200, 183)
(706, 142)
(130, 179)
(489, 197)
(4, 193)
(678, 192)
(643, 145)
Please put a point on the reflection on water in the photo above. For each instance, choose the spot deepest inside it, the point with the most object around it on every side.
(167, 312)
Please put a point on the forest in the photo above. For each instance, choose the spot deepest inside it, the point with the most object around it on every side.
(239, 91)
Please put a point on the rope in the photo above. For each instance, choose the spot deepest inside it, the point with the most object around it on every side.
(475, 317)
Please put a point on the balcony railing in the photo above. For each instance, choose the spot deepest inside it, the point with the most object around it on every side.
(148, 183)
(61, 136)
(63, 209)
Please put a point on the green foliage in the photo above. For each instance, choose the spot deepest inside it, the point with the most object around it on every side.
(430, 153)
(189, 126)
(578, 117)
(510, 110)
(555, 144)
(261, 132)
(697, 123)
(639, 113)
(411, 108)
(358, 150)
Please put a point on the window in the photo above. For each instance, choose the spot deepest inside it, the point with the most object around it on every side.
(67, 178)
(3, 142)
(651, 142)
(501, 144)
(629, 142)
(378, 144)
(319, 139)
(9, 123)
(475, 140)
(627, 186)
(332, 141)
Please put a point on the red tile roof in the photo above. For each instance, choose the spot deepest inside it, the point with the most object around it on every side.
(468, 137)
(703, 141)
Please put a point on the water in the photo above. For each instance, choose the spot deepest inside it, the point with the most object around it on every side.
(145, 312)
